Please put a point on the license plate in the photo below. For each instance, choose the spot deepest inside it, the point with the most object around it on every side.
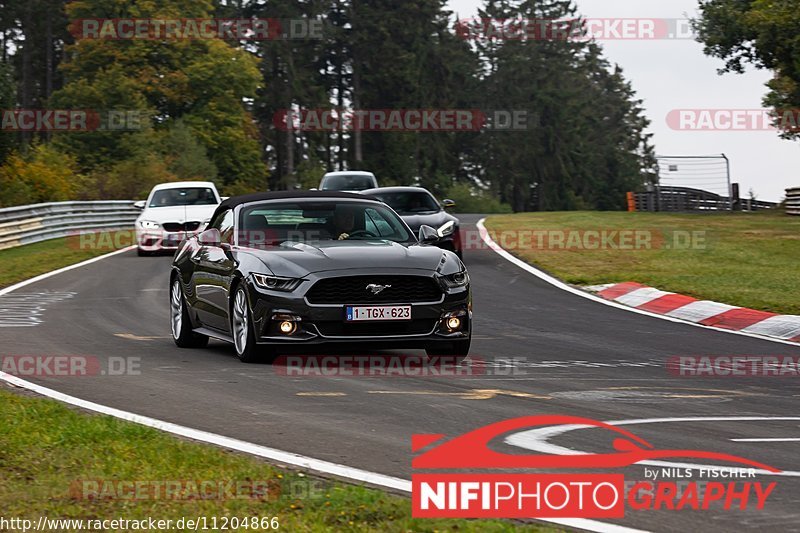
(374, 313)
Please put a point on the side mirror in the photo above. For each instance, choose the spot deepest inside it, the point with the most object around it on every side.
(428, 235)
(210, 237)
(140, 204)
(448, 204)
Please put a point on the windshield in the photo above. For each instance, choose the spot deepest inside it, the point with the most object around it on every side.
(348, 182)
(187, 196)
(410, 202)
(271, 224)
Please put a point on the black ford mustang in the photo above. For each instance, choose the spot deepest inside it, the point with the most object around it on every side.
(274, 270)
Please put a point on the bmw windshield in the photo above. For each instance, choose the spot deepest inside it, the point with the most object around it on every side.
(187, 196)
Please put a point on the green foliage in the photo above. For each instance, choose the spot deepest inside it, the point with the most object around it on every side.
(43, 175)
(764, 33)
(204, 83)
(7, 101)
(469, 200)
(309, 174)
(187, 158)
(584, 145)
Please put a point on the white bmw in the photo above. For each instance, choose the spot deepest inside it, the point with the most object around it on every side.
(172, 212)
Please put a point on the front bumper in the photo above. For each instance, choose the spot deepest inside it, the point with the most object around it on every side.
(158, 240)
(325, 323)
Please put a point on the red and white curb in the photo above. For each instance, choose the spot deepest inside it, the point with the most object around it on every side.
(711, 314)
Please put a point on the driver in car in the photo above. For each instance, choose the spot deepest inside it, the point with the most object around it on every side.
(344, 221)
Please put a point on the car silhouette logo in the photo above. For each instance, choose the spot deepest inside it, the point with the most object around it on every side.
(377, 289)
(472, 449)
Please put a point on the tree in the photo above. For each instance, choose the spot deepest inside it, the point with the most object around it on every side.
(7, 101)
(584, 145)
(293, 72)
(404, 56)
(204, 83)
(762, 33)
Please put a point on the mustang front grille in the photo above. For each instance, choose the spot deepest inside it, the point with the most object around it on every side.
(365, 290)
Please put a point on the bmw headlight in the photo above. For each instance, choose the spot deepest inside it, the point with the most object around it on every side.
(149, 224)
(446, 229)
(453, 281)
(275, 283)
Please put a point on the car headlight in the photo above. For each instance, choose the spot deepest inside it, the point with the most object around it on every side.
(459, 279)
(447, 229)
(149, 224)
(275, 283)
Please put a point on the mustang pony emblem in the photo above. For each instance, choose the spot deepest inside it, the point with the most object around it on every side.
(377, 289)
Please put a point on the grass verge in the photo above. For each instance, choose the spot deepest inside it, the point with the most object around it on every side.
(744, 259)
(48, 452)
(24, 262)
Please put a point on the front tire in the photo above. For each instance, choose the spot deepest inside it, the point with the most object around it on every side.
(182, 332)
(244, 338)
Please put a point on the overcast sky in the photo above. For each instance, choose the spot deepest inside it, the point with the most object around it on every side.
(675, 74)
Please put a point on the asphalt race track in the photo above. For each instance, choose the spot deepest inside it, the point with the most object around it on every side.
(570, 356)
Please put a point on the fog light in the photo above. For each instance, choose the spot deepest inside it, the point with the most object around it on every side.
(453, 323)
(287, 328)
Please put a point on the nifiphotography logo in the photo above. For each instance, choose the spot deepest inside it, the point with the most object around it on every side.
(569, 495)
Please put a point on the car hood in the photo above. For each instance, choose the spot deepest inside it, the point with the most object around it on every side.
(297, 260)
(178, 213)
(435, 220)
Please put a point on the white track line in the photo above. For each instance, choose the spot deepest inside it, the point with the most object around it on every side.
(538, 440)
(765, 440)
(307, 463)
(219, 440)
(583, 294)
(46, 275)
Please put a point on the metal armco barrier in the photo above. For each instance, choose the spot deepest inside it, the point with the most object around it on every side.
(793, 201)
(685, 199)
(40, 222)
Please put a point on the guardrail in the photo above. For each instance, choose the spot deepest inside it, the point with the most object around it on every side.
(686, 199)
(793, 201)
(40, 222)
